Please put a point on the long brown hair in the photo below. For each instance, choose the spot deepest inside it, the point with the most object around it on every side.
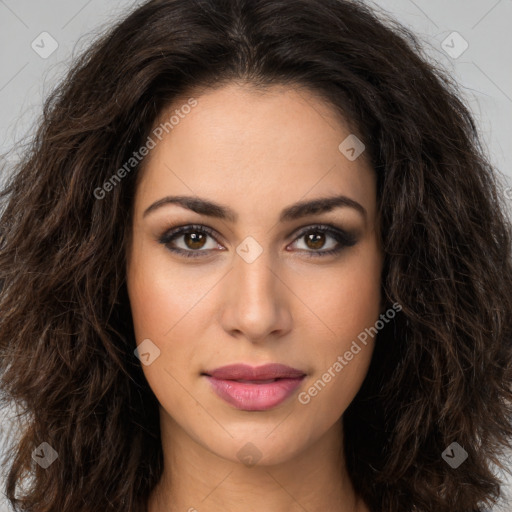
(441, 371)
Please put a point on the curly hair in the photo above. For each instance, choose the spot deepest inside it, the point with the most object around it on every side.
(442, 369)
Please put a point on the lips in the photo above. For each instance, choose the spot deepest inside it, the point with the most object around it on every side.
(255, 388)
(243, 372)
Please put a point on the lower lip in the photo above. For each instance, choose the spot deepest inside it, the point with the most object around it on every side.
(254, 397)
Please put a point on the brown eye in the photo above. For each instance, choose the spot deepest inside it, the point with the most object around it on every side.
(189, 241)
(315, 241)
(316, 238)
(194, 240)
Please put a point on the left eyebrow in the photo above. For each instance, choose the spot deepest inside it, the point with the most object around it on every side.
(293, 212)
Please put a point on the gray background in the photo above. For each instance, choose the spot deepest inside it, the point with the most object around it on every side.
(483, 70)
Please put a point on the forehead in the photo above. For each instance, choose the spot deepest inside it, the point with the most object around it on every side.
(243, 145)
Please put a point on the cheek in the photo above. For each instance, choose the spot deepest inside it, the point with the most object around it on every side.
(165, 301)
(155, 309)
(160, 294)
(347, 298)
(348, 304)
(160, 315)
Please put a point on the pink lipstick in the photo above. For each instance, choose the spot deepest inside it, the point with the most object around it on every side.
(255, 388)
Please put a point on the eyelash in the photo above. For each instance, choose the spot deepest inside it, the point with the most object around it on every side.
(343, 238)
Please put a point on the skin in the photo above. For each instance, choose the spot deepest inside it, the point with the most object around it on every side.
(256, 153)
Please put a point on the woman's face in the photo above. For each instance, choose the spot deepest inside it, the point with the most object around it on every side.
(262, 284)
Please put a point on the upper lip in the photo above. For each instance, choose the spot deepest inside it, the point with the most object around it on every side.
(247, 372)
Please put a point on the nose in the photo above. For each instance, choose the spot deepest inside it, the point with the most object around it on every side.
(256, 303)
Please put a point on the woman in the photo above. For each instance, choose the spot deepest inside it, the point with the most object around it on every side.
(256, 260)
